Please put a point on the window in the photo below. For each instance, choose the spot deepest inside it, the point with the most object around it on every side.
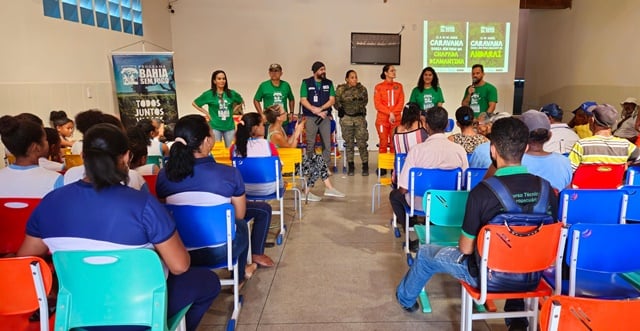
(116, 15)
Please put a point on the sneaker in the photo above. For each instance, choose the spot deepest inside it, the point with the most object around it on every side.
(414, 245)
(411, 309)
(332, 192)
(312, 197)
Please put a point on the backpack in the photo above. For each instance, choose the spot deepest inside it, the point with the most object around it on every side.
(514, 215)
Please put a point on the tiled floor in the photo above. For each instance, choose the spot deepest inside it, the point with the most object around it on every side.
(337, 269)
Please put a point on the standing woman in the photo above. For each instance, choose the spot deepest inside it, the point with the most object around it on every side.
(351, 102)
(427, 92)
(221, 102)
(388, 98)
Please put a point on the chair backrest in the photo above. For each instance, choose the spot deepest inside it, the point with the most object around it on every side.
(633, 204)
(633, 175)
(561, 312)
(155, 159)
(604, 247)
(451, 124)
(386, 161)
(22, 281)
(72, 160)
(202, 226)
(593, 206)
(151, 183)
(399, 162)
(598, 176)
(422, 179)
(14, 213)
(10, 159)
(122, 287)
(445, 207)
(535, 252)
(289, 158)
(473, 176)
(256, 170)
(220, 153)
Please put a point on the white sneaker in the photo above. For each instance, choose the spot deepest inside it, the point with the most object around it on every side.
(313, 198)
(332, 192)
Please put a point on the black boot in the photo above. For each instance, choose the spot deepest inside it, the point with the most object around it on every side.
(365, 168)
(351, 169)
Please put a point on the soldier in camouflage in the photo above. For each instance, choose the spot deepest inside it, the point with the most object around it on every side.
(351, 102)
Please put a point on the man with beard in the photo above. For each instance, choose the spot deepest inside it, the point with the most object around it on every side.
(317, 95)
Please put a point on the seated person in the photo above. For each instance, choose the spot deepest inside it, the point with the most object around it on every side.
(562, 136)
(508, 143)
(101, 204)
(151, 129)
(314, 166)
(580, 120)
(84, 121)
(53, 161)
(27, 142)
(192, 177)
(410, 132)
(467, 138)
(480, 157)
(138, 142)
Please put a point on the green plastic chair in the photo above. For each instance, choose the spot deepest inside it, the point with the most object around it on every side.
(444, 213)
(155, 159)
(112, 288)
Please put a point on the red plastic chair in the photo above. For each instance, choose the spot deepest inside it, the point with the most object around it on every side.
(14, 213)
(151, 183)
(573, 313)
(598, 176)
(24, 285)
(499, 246)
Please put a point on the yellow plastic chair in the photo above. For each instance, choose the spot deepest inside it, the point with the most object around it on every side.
(385, 161)
(289, 158)
(72, 160)
(10, 159)
(220, 153)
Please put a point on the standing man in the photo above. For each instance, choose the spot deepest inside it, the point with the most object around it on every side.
(562, 136)
(317, 95)
(626, 127)
(481, 96)
(274, 91)
(508, 143)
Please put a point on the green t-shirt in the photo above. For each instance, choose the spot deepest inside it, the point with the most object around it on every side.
(428, 98)
(220, 108)
(269, 94)
(480, 99)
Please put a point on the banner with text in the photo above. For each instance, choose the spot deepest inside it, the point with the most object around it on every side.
(146, 87)
(457, 46)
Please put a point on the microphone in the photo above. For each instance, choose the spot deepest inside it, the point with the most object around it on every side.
(474, 81)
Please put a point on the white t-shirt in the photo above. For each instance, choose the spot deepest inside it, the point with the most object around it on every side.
(562, 139)
(74, 174)
(28, 181)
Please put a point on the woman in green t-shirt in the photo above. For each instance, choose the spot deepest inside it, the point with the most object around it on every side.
(221, 104)
(427, 92)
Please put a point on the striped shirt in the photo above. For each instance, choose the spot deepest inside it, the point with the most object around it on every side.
(602, 150)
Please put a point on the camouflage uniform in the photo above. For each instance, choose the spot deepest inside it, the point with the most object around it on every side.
(352, 101)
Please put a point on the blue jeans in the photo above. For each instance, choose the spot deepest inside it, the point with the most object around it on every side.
(213, 255)
(261, 214)
(227, 135)
(431, 260)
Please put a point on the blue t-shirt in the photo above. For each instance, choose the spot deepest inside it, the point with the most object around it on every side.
(208, 176)
(554, 167)
(116, 217)
(481, 156)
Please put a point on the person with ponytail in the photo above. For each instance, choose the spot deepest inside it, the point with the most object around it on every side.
(103, 203)
(192, 177)
(388, 99)
(27, 142)
(468, 137)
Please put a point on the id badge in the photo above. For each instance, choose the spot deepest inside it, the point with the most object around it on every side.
(315, 98)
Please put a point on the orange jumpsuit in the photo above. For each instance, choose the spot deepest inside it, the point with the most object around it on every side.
(388, 98)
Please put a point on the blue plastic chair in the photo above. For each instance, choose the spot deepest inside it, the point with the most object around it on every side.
(451, 124)
(420, 181)
(473, 176)
(264, 170)
(203, 226)
(633, 176)
(633, 205)
(593, 206)
(397, 167)
(110, 288)
(598, 254)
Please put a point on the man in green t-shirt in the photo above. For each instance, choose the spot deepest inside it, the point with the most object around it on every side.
(480, 96)
(274, 91)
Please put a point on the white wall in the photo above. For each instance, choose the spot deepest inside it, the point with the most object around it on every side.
(243, 37)
(588, 52)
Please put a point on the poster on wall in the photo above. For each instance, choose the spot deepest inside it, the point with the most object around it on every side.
(457, 46)
(145, 87)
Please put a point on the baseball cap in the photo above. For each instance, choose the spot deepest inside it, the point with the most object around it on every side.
(605, 115)
(274, 67)
(630, 100)
(552, 110)
(586, 107)
(535, 120)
